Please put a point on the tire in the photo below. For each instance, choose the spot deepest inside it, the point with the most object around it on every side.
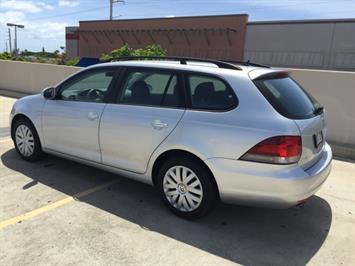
(24, 132)
(194, 195)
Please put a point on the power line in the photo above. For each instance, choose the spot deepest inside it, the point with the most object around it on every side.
(246, 9)
(72, 13)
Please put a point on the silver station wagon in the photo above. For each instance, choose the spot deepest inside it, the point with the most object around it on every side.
(199, 130)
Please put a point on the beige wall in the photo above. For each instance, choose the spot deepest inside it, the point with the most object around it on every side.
(335, 90)
(315, 44)
(31, 78)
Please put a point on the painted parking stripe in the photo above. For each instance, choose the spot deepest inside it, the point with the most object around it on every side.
(53, 205)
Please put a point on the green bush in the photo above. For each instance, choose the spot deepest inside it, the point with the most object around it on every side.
(29, 57)
(55, 58)
(72, 61)
(6, 56)
(125, 50)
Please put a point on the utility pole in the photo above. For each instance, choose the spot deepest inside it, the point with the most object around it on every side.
(15, 44)
(15, 26)
(10, 41)
(111, 6)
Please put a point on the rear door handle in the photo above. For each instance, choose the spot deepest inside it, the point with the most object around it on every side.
(158, 125)
(93, 116)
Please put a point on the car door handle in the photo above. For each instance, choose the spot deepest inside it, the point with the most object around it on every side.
(157, 124)
(92, 116)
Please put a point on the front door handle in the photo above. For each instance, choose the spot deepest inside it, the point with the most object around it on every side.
(157, 124)
(93, 116)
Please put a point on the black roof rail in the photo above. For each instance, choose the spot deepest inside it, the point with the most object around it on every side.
(182, 60)
(247, 63)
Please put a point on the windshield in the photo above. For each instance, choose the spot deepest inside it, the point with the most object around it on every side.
(288, 97)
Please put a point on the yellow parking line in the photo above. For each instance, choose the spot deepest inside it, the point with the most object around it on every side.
(53, 205)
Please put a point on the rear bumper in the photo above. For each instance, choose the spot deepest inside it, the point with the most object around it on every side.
(258, 184)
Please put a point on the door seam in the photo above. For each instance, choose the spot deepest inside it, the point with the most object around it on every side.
(150, 157)
(99, 132)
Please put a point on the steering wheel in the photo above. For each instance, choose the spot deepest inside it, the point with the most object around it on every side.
(95, 94)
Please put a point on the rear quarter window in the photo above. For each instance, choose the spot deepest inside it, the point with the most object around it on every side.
(287, 96)
(210, 93)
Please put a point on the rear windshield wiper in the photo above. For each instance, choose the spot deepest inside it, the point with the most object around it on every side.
(318, 110)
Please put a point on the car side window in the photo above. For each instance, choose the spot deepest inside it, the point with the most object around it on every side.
(210, 93)
(151, 88)
(89, 87)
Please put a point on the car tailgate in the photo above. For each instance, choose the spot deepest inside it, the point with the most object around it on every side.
(313, 132)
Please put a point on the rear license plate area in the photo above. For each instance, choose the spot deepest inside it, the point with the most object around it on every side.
(318, 139)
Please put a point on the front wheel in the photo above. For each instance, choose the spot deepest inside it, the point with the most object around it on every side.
(26, 140)
(187, 187)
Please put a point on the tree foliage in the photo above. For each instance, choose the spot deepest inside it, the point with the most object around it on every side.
(125, 50)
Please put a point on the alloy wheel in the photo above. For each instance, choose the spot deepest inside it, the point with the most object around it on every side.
(183, 188)
(24, 140)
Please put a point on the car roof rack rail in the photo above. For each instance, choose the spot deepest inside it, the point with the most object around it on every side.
(182, 60)
(248, 63)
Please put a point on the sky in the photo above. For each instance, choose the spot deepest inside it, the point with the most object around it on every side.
(45, 20)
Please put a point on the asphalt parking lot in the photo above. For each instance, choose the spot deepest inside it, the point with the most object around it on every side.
(59, 212)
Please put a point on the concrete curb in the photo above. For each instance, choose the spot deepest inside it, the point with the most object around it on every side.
(13, 94)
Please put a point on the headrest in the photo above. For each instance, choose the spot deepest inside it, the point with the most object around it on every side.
(140, 89)
(204, 90)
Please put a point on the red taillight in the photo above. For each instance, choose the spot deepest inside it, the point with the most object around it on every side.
(278, 150)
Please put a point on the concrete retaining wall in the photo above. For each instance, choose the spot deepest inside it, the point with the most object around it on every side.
(334, 89)
(30, 78)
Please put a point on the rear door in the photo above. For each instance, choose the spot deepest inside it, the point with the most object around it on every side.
(293, 102)
(149, 105)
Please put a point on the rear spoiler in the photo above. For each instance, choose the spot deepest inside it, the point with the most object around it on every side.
(256, 74)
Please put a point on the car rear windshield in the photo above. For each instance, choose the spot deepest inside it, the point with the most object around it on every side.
(287, 97)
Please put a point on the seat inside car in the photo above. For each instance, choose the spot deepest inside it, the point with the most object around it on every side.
(204, 93)
(140, 92)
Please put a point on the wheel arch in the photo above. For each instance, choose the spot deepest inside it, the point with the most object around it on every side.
(176, 153)
(16, 118)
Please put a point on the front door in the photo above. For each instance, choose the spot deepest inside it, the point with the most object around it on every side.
(147, 109)
(71, 121)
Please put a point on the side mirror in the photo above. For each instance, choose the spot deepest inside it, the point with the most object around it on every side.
(49, 93)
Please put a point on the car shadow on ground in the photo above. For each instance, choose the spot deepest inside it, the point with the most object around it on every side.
(249, 236)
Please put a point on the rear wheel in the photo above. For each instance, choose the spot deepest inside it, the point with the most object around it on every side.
(26, 140)
(187, 187)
